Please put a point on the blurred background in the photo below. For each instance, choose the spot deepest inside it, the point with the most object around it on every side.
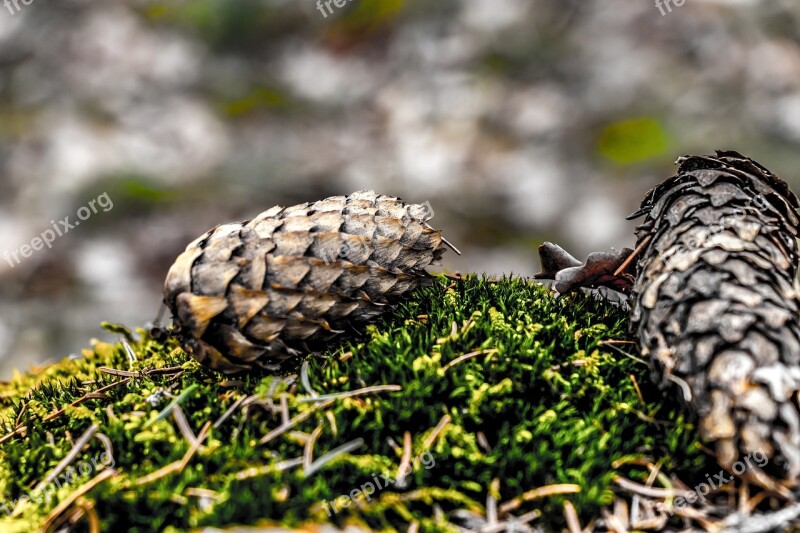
(519, 120)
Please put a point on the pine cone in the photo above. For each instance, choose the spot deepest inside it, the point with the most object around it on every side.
(717, 306)
(262, 291)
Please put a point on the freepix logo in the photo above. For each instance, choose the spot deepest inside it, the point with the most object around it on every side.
(59, 229)
(363, 495)
(13, 6)
(714, 484)
(46, 490)
(355, 246)
(665, 6)
(327, 9)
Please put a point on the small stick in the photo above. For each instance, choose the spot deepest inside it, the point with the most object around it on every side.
(85, 488)
(306, 381)
(106, 444)
(332, 420)
(451, 246)
(483, 442)
(687, 391)
(466, 356)
(349, 394)
(20, 429)
(328, 457)
(283, 428)
(67, 460)
(529, 516)
(573, 522)
(541, 492)
(284, 409)
(445, 420)
(129, 352)
(177, 466)
(652, 492)
(405, 460)
(623, 352)
(308, 451)
(130, 374)
(267, 469)
(183, 424)
(448, 243)
(636, 386)
(491, 502)
(89, 395)
(21, 412)
(196, 446)
(198, 492)
(630, 258)
(91, 515)
(232, 409)
(74, 515)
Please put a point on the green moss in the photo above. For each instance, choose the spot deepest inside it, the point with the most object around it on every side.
(497, 381)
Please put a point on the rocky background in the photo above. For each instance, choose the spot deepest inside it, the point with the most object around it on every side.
(518, 120)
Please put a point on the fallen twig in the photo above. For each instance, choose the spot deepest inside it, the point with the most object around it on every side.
(350, 394)
(652, 492)
(67, 460)
(331, 455)
(50, 520)
(443, 422)
(88, 396)
(232, 409)
(571, 516)
(177, 466)
(535, 494)
(761, 523)
(405, 460)
(466, 356)
(183, 424)
(308, 451)
(139, 374)
(268, 469)
(283, 428)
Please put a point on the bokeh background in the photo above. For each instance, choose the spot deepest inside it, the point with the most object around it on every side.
(519, 120)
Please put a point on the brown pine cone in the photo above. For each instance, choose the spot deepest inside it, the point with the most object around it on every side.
(717, 306)
(256, 293)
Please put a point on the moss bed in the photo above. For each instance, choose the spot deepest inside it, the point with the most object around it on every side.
(500, 397)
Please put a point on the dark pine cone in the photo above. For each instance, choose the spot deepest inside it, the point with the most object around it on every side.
(717, 306)
(259, 292)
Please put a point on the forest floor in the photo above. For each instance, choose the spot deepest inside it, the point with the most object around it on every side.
(475, 404)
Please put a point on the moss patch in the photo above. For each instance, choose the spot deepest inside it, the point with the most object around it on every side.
(483, 387)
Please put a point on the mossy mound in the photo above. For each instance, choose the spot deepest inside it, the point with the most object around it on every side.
(486, 389)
